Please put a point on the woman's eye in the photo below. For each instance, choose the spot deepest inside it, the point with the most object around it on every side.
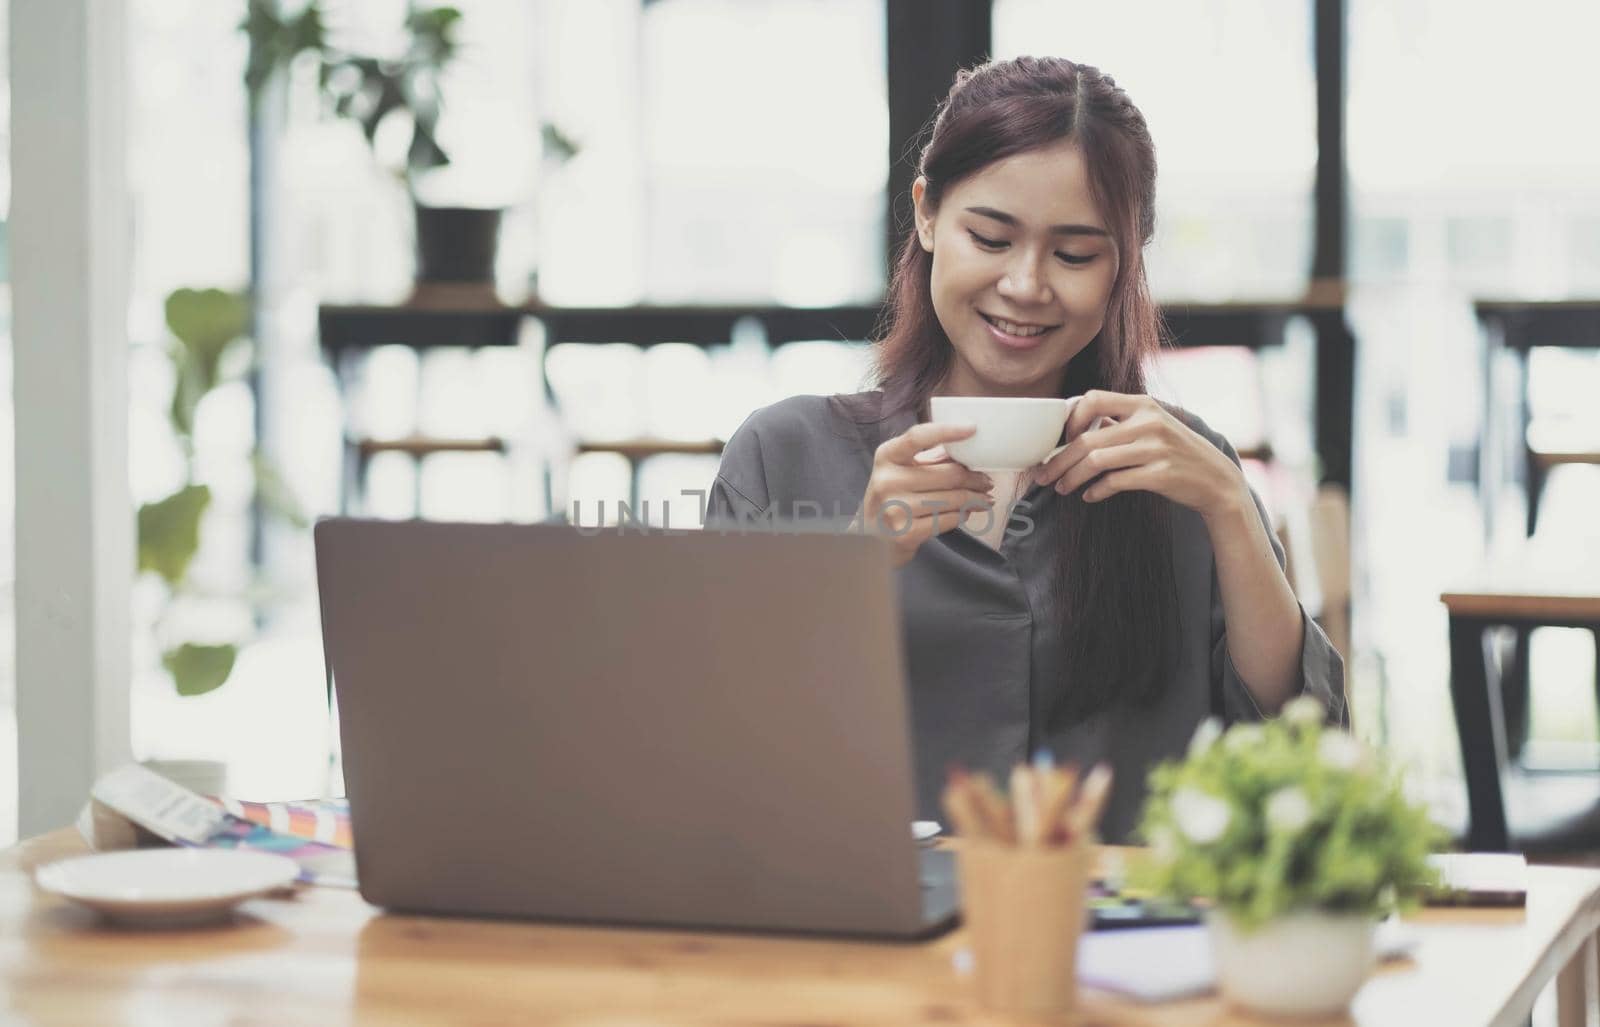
(1000, 244)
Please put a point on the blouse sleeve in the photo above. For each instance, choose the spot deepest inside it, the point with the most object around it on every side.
(739, 491)
(1321, 672)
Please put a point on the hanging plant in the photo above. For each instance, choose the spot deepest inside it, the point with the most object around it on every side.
(365, 88)
(208, 329)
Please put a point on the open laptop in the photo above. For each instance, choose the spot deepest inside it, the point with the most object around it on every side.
(692, 729)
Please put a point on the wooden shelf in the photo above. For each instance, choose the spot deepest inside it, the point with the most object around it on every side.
(1249, 324)
(1573, 324)
(342, 328)
(1555, 457)
(639, 449)
(420, 446)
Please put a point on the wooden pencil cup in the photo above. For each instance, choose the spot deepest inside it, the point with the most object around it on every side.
(1024, 908)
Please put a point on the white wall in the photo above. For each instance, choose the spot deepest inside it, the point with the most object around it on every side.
(74, 522)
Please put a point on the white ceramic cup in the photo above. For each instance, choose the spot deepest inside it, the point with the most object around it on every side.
(1014, 432)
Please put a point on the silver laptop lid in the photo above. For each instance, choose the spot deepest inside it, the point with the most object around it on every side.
(691, 729)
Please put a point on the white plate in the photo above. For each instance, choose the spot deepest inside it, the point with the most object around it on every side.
(167, 887)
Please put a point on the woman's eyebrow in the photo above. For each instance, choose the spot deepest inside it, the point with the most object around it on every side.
(1008, 219)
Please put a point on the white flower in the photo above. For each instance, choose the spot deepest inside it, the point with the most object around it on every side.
(1304, 710)
(1242, 736)
(1288, 810)
(1201, 817)
(1340, 751)
(1205, 735)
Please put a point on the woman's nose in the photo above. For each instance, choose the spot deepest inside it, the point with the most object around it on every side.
(1023, 282)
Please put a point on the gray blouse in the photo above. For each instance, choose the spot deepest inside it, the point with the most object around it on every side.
(982, 635)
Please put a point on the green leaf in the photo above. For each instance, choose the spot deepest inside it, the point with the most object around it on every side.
(263, 28)
(205, 321)
(558, 146)
(433, 35)
(275, 41)
(425, 153)
(198, 669)
(388, 99)
(307, 32)
(169, 532)
(1363, 848)
(275, 494)
(368, 90)
(187, 388)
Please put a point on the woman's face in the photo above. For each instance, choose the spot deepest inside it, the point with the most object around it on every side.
(1023, 266)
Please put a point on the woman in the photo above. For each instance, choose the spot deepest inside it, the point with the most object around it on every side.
(1130, 586)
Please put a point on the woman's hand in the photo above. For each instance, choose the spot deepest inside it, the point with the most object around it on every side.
(916, 491)
(1143, 447)
(1150, 449)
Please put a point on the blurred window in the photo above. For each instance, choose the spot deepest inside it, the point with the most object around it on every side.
(1229, 92)
(1478, 246)
(1381, 247)
(1470, 117)
(1473, 173)
(731, 150)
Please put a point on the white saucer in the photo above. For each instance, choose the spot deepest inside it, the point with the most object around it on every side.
(167, 887)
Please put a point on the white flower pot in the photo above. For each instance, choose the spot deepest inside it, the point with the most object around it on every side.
(1302, 964)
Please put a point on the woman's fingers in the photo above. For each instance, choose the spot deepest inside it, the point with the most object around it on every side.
(1106, 458)
(896, 480)
(948, 506)
(1144, 476)
(903, 448)
(1096, 403)
(1112, 434)
(948, 476)
(916, 491)
(920, 530)
(911, 538)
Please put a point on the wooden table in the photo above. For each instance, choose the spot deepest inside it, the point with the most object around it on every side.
(1525, 589)
(326, 957)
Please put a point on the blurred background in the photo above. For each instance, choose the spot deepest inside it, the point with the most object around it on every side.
(692, 207)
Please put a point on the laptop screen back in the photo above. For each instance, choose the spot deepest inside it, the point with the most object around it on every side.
(691, 729)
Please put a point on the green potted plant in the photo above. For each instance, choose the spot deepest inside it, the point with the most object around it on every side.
(1299, 839)
(455, 245)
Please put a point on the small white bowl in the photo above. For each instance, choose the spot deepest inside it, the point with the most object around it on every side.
(1014, 432)
(167, 887)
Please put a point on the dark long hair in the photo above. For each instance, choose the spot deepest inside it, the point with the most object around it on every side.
(1115, 581)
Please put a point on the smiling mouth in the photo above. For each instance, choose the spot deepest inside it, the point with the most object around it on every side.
(1017, 329)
